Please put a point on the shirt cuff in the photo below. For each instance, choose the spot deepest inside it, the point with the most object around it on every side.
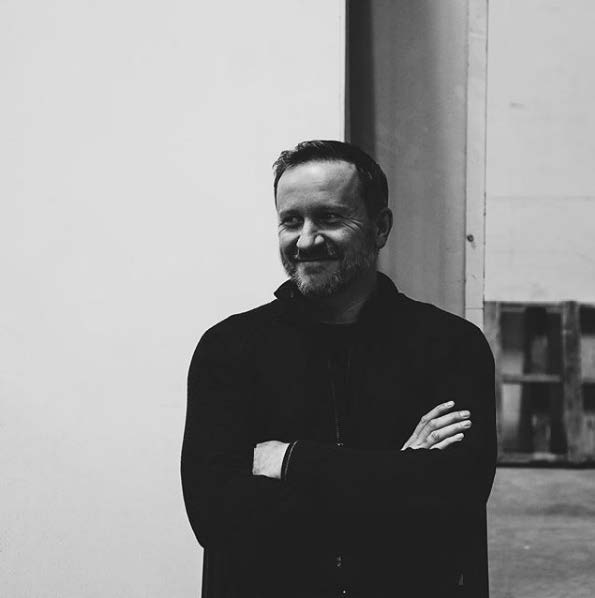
(286, 459)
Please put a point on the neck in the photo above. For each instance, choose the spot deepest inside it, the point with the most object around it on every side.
(345, 306)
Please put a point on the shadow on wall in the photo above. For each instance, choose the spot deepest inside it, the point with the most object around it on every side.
(406, 106)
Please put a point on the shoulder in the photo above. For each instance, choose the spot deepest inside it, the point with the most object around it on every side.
(433, 317)
(420, 318)
(441, 329)
(247, 321)
(238, 332)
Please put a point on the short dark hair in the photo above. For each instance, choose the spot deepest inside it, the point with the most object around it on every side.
(372, 179)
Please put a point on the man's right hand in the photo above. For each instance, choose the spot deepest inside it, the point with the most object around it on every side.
(438, 429)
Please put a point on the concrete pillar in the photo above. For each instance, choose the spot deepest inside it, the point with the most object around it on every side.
(408, 84)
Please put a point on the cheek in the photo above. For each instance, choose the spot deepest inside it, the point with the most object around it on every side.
(286, 242)
(345, 240)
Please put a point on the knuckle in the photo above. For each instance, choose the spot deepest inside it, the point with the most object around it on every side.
(434, 436)
(433, 424)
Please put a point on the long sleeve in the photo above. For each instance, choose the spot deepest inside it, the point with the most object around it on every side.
(366, 483)
(226, 504)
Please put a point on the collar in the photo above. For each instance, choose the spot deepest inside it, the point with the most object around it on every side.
(378, 306)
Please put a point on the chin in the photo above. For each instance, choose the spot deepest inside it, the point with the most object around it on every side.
(319, 286)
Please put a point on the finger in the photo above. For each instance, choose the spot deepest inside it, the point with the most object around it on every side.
(448, 441)
(441, 422)
(409, 442)
(437, 436)
(430, 415)
(255, 455)
(451, 418)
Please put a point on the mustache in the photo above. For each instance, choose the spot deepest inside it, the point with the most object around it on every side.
(326, 253)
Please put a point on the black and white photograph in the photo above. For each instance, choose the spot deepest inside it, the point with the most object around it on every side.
(298, 299)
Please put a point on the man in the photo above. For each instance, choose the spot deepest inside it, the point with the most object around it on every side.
(308, 464)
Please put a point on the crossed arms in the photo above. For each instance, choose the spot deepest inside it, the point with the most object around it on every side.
(233, 492)
(437, 429)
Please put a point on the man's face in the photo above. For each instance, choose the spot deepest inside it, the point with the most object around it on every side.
(326, 238)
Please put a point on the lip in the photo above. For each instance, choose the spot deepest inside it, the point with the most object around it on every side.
(325, 259)
(315, 263)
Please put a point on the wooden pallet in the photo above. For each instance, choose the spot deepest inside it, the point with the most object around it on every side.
(576, 425)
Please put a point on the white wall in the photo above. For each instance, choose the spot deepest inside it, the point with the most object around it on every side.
(540, 147)
(137, 139)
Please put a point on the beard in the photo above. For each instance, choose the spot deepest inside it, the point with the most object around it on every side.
(334, 275)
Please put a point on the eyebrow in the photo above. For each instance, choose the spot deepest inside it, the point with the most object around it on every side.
(286, 212)
(318, 209)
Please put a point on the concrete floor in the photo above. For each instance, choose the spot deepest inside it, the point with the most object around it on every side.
(541, 527)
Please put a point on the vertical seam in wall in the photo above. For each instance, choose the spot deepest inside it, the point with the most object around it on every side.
(475, 160)
(466, 163)
(346, 86)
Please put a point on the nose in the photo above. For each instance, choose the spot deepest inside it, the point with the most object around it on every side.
(309, 237)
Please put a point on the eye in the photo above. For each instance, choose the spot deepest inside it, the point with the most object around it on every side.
(331, 217)
(290, 221)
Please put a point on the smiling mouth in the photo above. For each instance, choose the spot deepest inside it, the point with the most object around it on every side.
(324, 261)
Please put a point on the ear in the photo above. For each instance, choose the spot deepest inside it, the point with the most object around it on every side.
(384, 224)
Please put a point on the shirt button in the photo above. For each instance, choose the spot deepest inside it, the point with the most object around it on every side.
(339, 561)
(343, 592)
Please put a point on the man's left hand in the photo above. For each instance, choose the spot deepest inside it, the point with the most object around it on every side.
(268, 458)
(438, 431)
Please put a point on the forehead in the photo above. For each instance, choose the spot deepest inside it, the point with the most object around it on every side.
(314, 183)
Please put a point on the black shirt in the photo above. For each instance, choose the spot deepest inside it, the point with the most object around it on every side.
(405, 522)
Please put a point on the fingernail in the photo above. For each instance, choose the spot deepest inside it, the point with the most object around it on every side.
(449, 404)
(467, 424)
(465, 413)
(459, 437)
